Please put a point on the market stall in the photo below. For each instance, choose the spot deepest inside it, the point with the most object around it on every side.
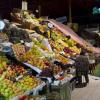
(45, 50)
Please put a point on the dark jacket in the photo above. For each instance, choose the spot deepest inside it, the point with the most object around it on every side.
(82, 63)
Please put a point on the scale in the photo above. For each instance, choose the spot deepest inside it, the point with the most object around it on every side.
(2, 25)
(2, 47)
(50, 26)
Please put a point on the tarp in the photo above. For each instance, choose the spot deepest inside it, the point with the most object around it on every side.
(67, 31)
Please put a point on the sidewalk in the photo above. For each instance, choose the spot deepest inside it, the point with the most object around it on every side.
(90, 92)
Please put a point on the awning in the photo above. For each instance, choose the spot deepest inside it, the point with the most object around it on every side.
(67, 31)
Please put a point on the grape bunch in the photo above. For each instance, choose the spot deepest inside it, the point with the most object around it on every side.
(67, 50)
(47, 72)
(43, 22)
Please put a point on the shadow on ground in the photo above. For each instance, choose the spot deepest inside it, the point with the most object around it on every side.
(82, 85)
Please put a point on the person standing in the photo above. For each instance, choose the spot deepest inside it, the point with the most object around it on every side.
(82, 68)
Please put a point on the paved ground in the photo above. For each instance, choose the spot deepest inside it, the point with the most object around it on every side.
(90, 92)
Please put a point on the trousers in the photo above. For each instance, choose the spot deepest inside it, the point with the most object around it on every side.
(79, 75)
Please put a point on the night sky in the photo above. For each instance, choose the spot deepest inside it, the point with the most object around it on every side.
(53, 8)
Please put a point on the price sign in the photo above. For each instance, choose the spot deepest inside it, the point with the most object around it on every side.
(50, 25)
(24, 5)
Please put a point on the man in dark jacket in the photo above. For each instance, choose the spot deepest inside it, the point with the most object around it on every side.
(82, 68)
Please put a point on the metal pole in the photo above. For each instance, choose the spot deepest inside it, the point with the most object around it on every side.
(70, 12)
(39, 7)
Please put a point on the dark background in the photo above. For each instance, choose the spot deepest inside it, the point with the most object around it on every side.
(81, 9)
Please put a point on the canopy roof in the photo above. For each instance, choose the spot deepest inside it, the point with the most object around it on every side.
(67, 31)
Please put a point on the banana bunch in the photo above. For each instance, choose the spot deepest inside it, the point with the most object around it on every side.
(61, 58)
(75, 49)
(37, 62)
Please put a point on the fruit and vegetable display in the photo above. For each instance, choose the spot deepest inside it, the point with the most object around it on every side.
(19, 50)
(9, 89)
(51, 71)
(38, 54)
(3, 37)
(27, 18)
(38, 49)
(3, 63)
(16, 34)
(32, 61)
(28, 83)
(58, 41)
(13, 71)
(47, 72)
(61, 58)
(38, 42)
(37, 97)
(15, 80)
(63, 43)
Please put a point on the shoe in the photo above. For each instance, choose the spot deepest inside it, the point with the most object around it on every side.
(87, 82)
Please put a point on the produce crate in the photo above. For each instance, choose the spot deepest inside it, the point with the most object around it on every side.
(33, 93)
(37, 97)
(25, 65)
(33, 67)
(72, 84)
(53, 96)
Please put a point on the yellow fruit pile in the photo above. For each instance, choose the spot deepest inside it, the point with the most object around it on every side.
(4, 36)
(32, 59)
(61, 58)
(19, 50)
(75, 50)
(9, 89)
(37, 62)
(28, 83)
